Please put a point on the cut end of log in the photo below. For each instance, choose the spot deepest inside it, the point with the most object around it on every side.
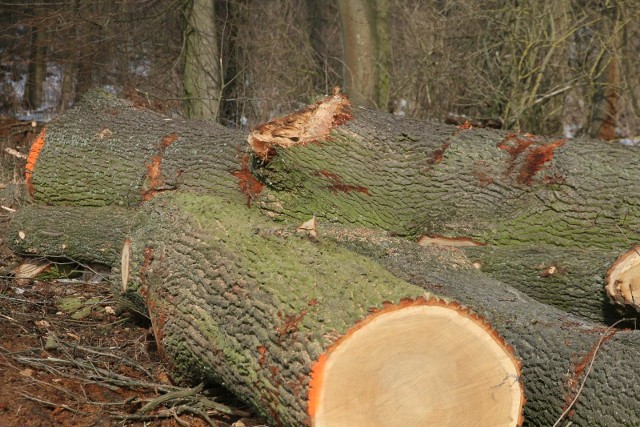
(623, 279)
(447, 241)
(125, 257)
(420, 362)
(312, 124)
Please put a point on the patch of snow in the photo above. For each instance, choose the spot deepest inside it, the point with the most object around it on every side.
(400, 107)
(630, 141)
(111, 89)
(140, 67)
(569, 130)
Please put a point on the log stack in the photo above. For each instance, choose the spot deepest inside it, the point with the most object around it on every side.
(347, 320)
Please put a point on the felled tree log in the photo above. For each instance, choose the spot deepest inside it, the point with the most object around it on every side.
(423, 179)
(105, 152)
(304, 331)
(556, 348)
(82, 235)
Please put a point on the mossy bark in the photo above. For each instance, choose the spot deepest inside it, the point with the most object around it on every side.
(231, 305)
(418, 178)
(106, 152)
(232, 296)
(570, 279)
(88, 235)
(408, 177)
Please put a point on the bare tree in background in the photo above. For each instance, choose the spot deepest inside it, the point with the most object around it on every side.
(366, 47)
(546, 67)
(202, 63)
(37, 64)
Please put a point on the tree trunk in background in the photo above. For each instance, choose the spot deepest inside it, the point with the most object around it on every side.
(37, 63)
(202, 69)
(606, 99)
(366, 51)
(70, 71)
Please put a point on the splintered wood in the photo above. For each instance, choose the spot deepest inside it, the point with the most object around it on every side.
(309, 125)
(623, 279)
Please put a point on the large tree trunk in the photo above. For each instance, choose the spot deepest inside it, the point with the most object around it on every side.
(202, 67)
(366, 51)
(239, 300)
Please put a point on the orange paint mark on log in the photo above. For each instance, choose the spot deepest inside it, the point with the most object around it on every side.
(154, 176)
(154, 169)
(262, 352)
(291, 323)
(249, 184)
(515, 147)
(438, 154)
(34, 153)
(168, 140)
(537, 156)
(466, 125)
(316, 383)
(338, 185)
(536, 159)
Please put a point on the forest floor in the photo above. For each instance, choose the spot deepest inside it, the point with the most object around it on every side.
(68, 357)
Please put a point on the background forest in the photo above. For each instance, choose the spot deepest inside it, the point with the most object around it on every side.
(553, 67)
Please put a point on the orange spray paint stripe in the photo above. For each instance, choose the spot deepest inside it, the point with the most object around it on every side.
(34, 153)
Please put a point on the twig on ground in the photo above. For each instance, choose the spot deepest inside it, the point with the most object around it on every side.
(53, 404)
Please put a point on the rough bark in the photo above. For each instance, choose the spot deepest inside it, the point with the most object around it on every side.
(105, 152)
(83, 235)
(415, 178)
(571, 279)
(408, 177)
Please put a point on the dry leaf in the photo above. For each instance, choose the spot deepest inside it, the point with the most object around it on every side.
(27, 372)
(43, 324)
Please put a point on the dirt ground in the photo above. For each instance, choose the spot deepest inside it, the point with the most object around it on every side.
(68, 358)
